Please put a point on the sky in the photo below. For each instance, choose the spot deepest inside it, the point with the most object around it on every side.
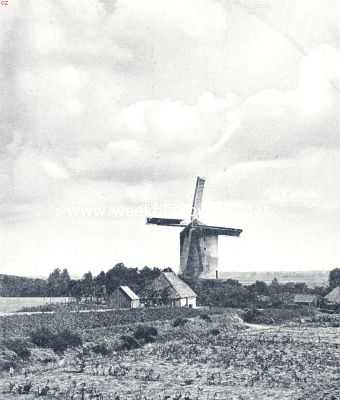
(109, 109)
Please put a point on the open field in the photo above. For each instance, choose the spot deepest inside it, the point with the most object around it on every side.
(220, 358)
(12, 304)
(311, 278)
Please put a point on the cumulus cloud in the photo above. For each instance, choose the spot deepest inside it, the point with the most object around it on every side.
(125, 102)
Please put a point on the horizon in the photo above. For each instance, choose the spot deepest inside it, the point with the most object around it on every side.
(224, 273)
(112, 110)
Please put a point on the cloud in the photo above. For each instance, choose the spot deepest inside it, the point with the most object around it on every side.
(125, 102)
(198, 19)
(306, 181)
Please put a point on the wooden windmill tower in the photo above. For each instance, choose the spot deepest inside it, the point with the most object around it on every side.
(198, 242)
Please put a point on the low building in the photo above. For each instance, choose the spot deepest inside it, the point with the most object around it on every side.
(333, 297)
(124, 297)
(168, 289)
(266, 300)
(310, 300)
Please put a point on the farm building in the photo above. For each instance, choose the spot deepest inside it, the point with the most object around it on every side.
(169, 289)
(306, 300)
(264, 299)
(124, 297)
(333, 296)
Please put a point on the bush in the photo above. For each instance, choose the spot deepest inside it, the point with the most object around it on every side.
(6, 365)
(19, 347)
(101, 348)
(146, 333)
(179, 322)
(8, 358)
(129, 343)
(250, 315)
(64, 340)
(205, 317)
(59, 342)
(42, 337)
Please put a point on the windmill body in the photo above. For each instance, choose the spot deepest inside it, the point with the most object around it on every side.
(198, 242)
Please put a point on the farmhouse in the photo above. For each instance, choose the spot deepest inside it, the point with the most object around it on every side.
(306, 300)
(124, 297)
(333, 296)
(169, 289)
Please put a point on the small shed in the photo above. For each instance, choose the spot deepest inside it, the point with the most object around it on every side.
(169, 289)
(264, 299)
(310, 300)
(333, 296)
(124, 297)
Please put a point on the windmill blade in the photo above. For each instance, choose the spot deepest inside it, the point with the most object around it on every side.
(166, 221)
(219, 230)
(197, 202)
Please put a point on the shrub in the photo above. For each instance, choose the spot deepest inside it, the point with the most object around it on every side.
(179, 322)
(19, 347)
(146, 333)
(64, 340)
(59, 342)
(8, 358)
(6, 365)
(101, 348)
(129, 343)
(250, 315)
(42, 337)
(205, 317)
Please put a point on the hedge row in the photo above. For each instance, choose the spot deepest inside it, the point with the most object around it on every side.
(23, 325)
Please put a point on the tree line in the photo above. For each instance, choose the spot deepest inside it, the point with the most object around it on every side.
(60, 284)
(229, 293)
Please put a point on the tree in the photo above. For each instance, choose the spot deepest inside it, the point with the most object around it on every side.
(87, 284)
(53, 282)
(58, 282)
(64, 282)
(100, 284)
(259, 287)
(75, 289)
(334, 278)
(301, 287)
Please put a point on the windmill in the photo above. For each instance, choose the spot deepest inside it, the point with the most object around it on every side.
(198, 242)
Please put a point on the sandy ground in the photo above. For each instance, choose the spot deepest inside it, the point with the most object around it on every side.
(145, 371)
(174, 378)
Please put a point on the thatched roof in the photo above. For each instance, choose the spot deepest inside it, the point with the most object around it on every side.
(129, 292)
(334, 296)
(182, 289)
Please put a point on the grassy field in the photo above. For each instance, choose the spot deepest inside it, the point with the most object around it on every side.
(197, 357)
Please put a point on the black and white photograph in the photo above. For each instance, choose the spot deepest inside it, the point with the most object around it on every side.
(170, 199)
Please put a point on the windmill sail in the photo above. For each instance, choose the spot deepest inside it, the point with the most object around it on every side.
(218, 230)
(198, 242)
(197, 202)
(165, 221)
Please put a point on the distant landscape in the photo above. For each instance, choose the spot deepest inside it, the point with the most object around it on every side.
(311, 278)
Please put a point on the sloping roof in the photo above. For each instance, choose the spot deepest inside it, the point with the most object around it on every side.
(334, 295)
(130, 293)
(305, 298)
(182, 289)
(261, 297)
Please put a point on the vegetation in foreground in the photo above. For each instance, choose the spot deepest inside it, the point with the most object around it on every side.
(194, 356)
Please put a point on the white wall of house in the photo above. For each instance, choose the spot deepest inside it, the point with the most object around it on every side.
(186, 302)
